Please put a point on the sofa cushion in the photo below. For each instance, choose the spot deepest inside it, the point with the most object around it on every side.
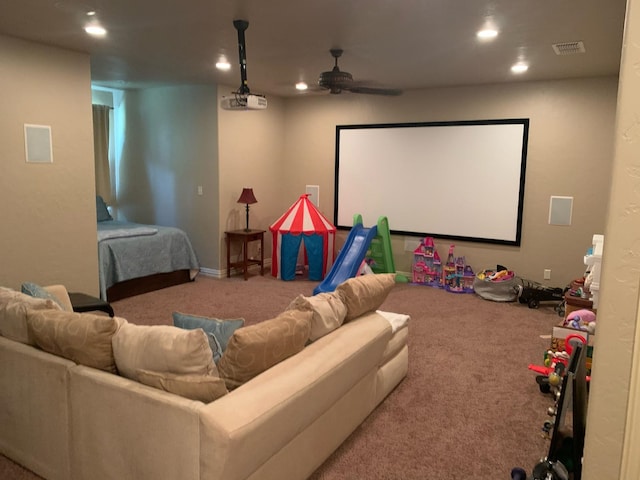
(221, 329)
(365, 293)
(13, 314)
(329, 311)
(205, 388)
(161, 348)
(253, 349)
(35, 290)
(81, 337)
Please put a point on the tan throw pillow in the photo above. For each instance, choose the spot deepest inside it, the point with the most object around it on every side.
(253, 349)
(329, 311)
(13, 314)
(365, 293)
(161, 348)
(205, 388)
(81, 337)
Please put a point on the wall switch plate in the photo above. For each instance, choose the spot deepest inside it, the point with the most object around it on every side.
(547, 274)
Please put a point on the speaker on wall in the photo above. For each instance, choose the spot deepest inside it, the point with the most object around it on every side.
(37, 143)
(314, 194)
(560, 209)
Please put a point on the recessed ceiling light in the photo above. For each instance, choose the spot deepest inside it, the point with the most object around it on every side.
(95, 30)
(91, 13)
(487, 34)
(519, 68)
(301, 86)
(223, 64)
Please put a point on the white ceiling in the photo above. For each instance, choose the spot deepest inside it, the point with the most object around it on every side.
(404, 44)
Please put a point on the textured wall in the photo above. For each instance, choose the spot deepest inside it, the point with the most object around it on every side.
(570, 154)
(618, 310)
(47, 211)
(170, 148)
(251, 155)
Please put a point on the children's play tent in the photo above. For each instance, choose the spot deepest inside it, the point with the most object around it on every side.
(302, 222)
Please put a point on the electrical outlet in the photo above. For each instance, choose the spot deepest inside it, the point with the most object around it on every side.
(547, 274)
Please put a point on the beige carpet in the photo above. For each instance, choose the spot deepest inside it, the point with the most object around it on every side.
(468, 409)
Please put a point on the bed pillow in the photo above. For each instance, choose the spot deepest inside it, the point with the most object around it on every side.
(163, 349)
(35, 290)
(221, 329)
(102, 212)
(253, 349)
(365, 293)
(204, 388)
(81, 337)
(329, 311)
(14, 306)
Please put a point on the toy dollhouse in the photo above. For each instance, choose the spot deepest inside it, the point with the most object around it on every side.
(427, 267)
(454, 276)
(461, 280)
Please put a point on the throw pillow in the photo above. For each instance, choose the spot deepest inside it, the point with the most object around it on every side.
(102, 212)
(37, 291)
(221, 329)
(205, 388)
(214, 345)
(161, 348)
(253, 349)
(81, 337)
(365, 293)
(13, 314)
(329, 311)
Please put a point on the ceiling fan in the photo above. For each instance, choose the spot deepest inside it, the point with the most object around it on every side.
(337, 80)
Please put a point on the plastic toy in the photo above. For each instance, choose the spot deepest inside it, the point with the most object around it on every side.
(533, 293)
(427, 266)
(584, 320)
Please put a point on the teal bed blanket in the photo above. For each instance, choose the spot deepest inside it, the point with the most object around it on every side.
(129, 250)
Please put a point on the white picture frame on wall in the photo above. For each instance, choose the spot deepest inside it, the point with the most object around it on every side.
(38, 147)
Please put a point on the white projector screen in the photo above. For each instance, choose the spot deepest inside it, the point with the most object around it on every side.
(460, 180)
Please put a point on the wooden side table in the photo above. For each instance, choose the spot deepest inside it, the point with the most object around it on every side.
(245, 236)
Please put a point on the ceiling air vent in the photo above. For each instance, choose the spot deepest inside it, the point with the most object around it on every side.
(568, 48)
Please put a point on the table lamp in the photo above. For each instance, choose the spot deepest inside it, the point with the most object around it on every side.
(248, 198)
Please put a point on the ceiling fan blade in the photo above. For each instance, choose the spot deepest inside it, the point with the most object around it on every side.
(372, 90)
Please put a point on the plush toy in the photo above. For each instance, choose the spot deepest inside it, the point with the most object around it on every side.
(582, 320)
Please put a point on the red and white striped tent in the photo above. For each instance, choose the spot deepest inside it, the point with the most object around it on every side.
(302, 222)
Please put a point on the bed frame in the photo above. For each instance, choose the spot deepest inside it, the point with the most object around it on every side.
(137, 286)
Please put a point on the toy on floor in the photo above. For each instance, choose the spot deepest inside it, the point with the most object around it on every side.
(454, 276)
(533, 293)
(427, 266)
(584, 320)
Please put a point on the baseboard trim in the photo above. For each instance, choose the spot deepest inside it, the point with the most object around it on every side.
(217, 273)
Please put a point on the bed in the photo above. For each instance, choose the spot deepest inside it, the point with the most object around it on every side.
(135, 258)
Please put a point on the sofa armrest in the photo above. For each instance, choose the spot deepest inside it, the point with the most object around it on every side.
(60, 292)
(243, 429)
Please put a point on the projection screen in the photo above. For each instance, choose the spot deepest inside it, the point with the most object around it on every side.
(460, 180)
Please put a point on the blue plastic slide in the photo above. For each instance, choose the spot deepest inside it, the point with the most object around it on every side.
(349, 259)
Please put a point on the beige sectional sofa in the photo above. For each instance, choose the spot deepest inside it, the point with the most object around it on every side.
(65, 420)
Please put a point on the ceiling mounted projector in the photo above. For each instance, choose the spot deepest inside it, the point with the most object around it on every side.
(243, 99)
(244, 102)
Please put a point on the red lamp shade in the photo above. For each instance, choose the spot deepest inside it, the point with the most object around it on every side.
(248, 198)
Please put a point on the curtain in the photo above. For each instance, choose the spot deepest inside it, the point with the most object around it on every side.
(101, 151)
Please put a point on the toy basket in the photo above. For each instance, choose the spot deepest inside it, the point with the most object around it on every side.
(496, 286)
